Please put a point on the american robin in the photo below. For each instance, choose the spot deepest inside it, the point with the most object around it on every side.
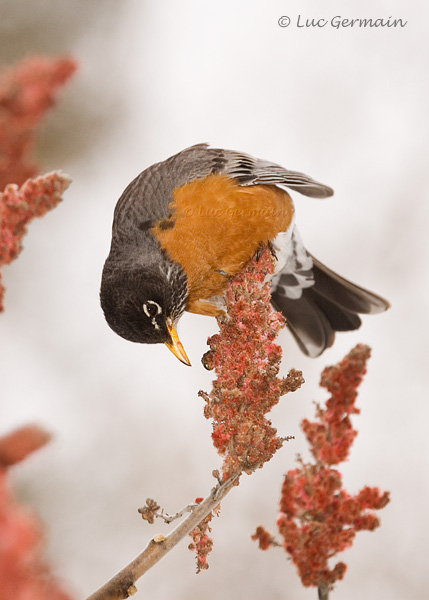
(184, 226)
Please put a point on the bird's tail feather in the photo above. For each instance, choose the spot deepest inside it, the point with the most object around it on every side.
(331, 304)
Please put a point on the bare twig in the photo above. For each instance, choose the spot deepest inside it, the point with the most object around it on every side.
(323, 592)
(170, 518)
(122, 585)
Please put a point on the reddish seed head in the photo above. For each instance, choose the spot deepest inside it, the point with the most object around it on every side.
(27, 91)
(247, 361)
(318, 518)
(23, 574)
(15, 446)
(19, 206)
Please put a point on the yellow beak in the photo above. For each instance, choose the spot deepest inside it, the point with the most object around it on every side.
(175, 345)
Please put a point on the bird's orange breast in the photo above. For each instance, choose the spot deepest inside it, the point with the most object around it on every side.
(215, 227)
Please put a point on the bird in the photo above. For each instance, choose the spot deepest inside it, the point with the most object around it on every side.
(185, 226)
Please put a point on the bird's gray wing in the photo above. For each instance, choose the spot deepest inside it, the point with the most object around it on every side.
(252, 171)
(201, 160)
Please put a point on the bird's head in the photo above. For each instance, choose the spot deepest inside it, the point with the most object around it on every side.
(143, 305)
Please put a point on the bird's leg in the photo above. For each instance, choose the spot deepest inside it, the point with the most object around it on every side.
(271, 248)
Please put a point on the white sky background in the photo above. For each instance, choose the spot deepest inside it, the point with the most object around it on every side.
(348, 107)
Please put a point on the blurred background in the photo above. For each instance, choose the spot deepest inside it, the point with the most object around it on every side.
(348, 107)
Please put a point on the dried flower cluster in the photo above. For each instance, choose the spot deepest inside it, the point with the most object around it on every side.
(149, 511)
(264, 538)
(318, 518)
(18, 206)
(22, 572)
(17, 445)
(246, 360)
(27, 91)
(202, 543)
(331, 436)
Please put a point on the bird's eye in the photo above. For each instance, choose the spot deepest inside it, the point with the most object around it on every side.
(152, 309)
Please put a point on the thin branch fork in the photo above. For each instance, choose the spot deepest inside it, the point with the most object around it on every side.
(122, 585)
